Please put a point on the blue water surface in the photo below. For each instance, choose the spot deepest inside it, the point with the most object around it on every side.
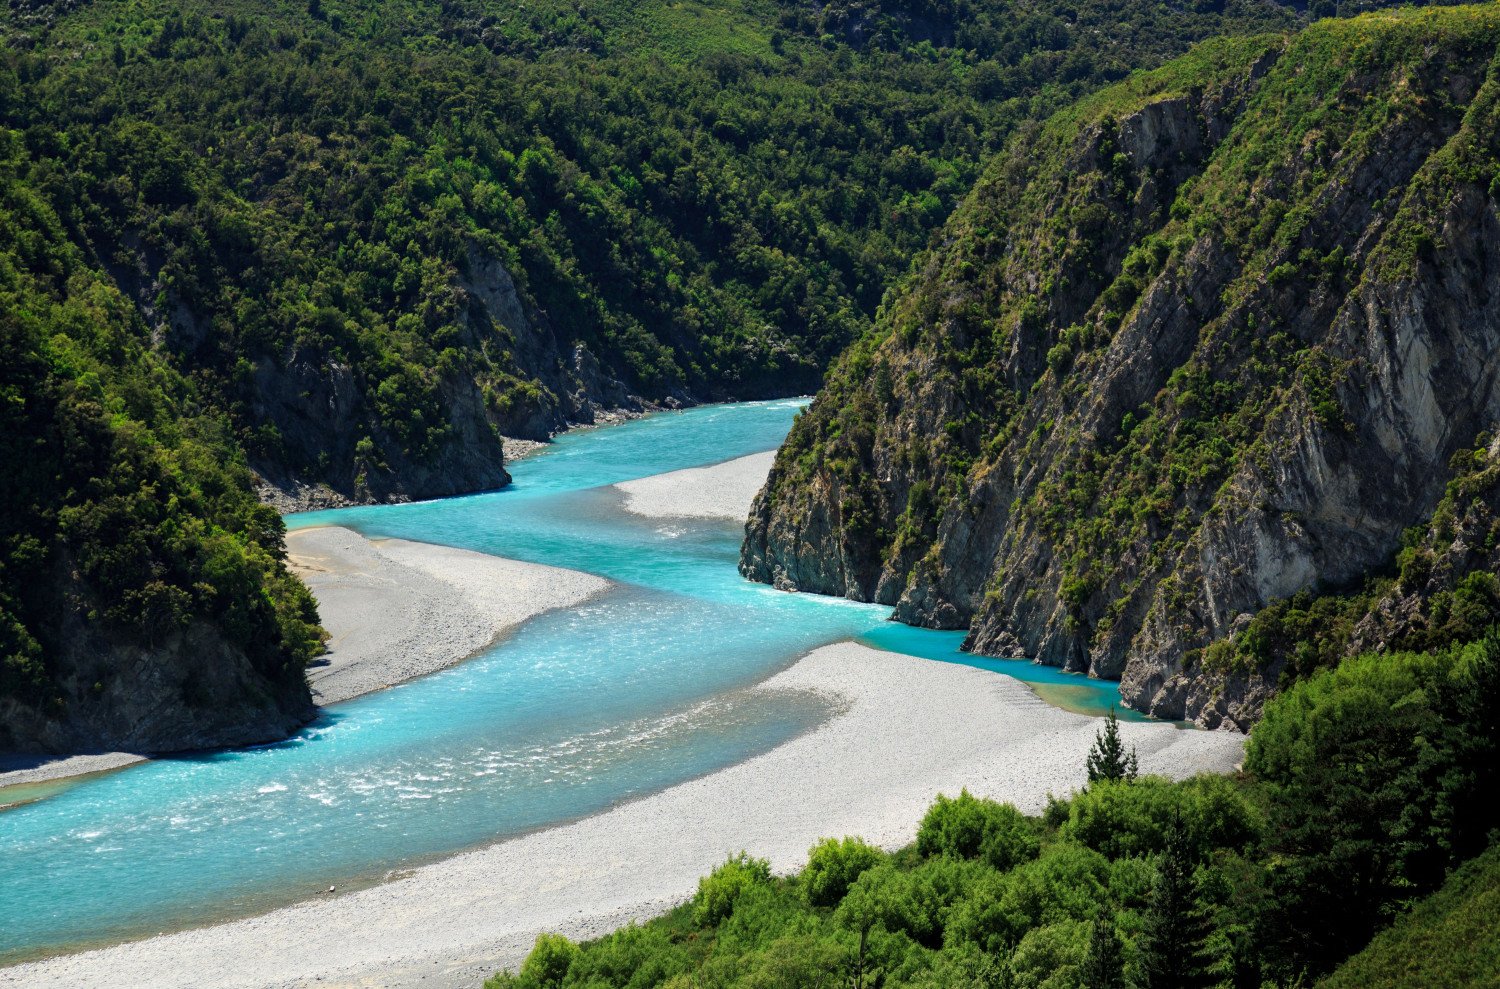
(639, 689)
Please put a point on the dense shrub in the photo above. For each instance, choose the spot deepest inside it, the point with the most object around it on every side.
(718, 891)
(913, 902)
(832, 867)
(967, 827)
(1374, 773)
(1065, 884)
(547, 965)
(1129, 819)
(1448, 941)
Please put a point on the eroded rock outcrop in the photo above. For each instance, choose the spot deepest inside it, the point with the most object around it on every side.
(560, 383)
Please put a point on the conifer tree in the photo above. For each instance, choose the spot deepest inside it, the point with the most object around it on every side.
(1108, 759)
(1104, 965)
(1172, 944)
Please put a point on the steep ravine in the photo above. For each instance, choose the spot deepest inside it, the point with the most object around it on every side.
(1208, 340)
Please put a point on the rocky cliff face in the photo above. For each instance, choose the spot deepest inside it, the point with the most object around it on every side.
(196, 688)
(1447, 587)
(1442, 588)
(563, 384)
(332, 442)
(1204, 342)
(320, 411)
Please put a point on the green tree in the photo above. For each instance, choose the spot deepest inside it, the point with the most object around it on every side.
(718, 891)
(1108, 759)
(1104, 965)
(1172, 942)
(971, 827)
(544, 968)
(547, 965)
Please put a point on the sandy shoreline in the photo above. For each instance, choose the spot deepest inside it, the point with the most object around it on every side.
(722, 491)
(909, 728)
(18, 769)
(395, 609)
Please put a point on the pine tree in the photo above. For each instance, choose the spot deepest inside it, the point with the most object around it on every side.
(1108, 759)
(1104, 965)
(1173, 939)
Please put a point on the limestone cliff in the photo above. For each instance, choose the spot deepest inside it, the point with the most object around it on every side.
(1204, 342)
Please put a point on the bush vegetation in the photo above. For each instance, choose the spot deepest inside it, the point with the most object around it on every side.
(1446, 942)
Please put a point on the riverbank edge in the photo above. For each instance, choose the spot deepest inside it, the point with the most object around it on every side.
(23, 770)
(409, 618)
(399, 609)
(292, 497)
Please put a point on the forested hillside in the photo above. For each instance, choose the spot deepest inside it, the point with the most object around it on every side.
(1363, 787)
(1183, 372)
(348, 246)
(343, 247)
(380, 233)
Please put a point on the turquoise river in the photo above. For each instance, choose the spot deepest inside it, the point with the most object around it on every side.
(640, 689)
